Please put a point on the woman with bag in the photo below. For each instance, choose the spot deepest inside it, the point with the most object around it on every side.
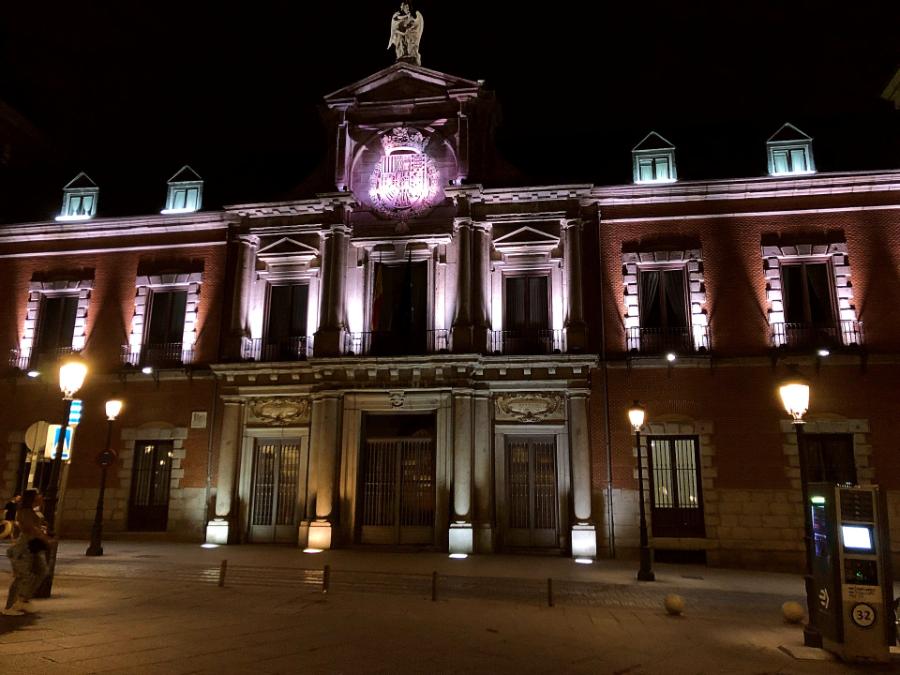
(28, 555)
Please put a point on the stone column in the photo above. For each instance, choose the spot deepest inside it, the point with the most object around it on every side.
(482, 473)
(462, 324)
(240, 299)
(331, 326)
(461, 540)
(325, 444)
(224, 529)
(480, 286)
(584, 535)
(576, 329)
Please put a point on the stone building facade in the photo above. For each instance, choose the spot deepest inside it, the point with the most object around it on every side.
(414, 359)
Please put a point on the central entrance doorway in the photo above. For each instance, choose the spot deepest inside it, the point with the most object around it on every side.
(397, 480)
(148, 507)
(532, 499)
(275, 496)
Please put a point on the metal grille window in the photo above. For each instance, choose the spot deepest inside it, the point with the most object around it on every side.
(675, 490)
(150, 482)
(531, 493)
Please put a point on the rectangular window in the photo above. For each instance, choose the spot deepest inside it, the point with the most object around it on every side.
(80, 205)
(806, 289)
(56, 324)
(790, 160)
(167, 309)
(675, 489)
(185, 198)
(527, 304)
(830, 458)
(663, 299)
(287, 312)
(654, 169)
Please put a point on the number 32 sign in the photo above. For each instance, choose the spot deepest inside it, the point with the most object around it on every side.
(863, 615)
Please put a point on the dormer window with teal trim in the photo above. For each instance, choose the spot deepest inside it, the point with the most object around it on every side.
(79, 199)
(653, 160)
(185, 193)
(790, 152)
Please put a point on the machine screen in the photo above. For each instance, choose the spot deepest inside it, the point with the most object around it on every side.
(858, 537)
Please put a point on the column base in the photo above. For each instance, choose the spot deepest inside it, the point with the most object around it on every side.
(217, 531)
(484, 538)
(584, 541)
(319, 536)
(461, 538)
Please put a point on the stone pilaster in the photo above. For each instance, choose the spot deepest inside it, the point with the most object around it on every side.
(483, 485)
(462, 324)
(239, 328)
(461, 539)
(225, 528)
(325, 432)
(328, 339)
(576, 329)
(584, 535)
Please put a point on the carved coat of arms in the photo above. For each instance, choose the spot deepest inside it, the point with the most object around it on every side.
(280, 411)
(530, 406)
(405, 183)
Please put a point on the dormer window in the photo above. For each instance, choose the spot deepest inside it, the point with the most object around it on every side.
(79, 199)
(653, 160)
(185, 192)
(790, 152)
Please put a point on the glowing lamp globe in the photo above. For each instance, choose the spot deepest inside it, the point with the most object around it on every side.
(71, 376)
(795, 398)
(113, 408)
(636, 415)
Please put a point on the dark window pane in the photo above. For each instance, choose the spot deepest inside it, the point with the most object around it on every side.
(793, 282)
(57, 323)
(516, 313)
(167, 317)
(676, 311)
(819, 293)
(830, 458)
(537, 303)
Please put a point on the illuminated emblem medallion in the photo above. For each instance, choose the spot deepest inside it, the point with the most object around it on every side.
(405, 183)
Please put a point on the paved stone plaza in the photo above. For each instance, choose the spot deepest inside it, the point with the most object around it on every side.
(157, 608)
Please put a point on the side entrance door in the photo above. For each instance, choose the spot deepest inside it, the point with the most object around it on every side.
(532, 498)
(676, 495)
(148, 508)
(275, 490)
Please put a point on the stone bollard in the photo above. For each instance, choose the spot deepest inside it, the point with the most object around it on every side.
(792, 612)
(674, 604)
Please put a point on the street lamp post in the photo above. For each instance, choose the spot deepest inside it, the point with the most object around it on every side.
(636, 416)
(105, 460)
(71, 377)
(795, 397)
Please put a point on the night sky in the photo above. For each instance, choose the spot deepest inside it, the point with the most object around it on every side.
(129, 91)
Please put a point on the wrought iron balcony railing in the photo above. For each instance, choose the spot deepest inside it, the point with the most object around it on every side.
(816, 335)
(397, 343)
(163, 355)
(297, 348)
(536, 341)
(46, 358)
(677, 340)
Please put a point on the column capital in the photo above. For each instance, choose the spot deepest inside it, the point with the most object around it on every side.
(459, 223)
(569, 223)
(337, 228)
(248, 239)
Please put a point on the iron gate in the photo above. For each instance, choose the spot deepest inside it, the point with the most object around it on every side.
(676, 497)
(148, 508)
(273, 505)
(532, 502)
(398, 495)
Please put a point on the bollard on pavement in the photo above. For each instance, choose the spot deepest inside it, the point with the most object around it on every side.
(222, 569)
(549, 592)
(326, 578)
(434, 578)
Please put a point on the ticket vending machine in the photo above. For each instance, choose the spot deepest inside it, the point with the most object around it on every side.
(852, 583)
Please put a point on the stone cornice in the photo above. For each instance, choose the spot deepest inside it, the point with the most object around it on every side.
(322, 204)
(748, 188)
(98, 228)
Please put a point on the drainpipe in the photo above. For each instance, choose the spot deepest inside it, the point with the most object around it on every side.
(611, 539)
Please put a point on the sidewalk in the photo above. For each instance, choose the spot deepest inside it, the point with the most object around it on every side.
(140, 609)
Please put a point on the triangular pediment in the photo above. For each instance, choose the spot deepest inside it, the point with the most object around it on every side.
(788, 132)
(402, 82)
(186, 175)
(80, 182)
(653, 141)
(287, 247)
(526, 236)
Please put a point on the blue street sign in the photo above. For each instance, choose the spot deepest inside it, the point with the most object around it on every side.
(53, 440)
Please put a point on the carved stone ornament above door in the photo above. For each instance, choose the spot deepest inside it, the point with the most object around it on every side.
(279, 411)
(530, 406)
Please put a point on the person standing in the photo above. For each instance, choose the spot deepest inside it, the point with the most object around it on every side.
(9, 519)
(28, 555)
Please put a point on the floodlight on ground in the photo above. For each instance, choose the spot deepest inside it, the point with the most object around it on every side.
(459, 556)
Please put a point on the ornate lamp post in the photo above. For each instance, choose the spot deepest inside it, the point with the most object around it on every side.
(105, 459)
(794, 394)
(72, 373)
(636, 415)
